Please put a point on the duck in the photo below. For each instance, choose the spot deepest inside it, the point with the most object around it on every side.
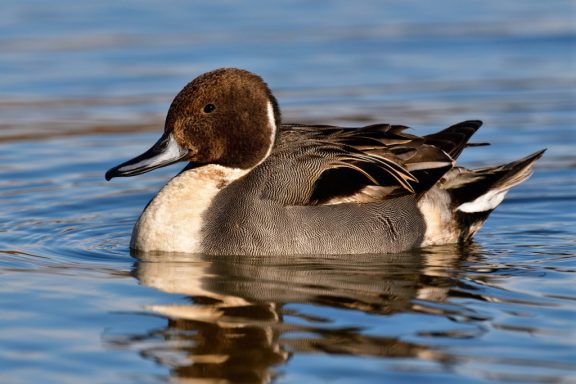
(253, 185)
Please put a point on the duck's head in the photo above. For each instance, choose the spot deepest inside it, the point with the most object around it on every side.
(227, 117)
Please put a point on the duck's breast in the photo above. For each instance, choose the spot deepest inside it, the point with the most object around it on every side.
(173, 220)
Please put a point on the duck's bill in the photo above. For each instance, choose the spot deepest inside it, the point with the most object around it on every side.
(166, 151)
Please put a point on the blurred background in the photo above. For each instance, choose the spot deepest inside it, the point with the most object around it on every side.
(74, 68)
(86, 85)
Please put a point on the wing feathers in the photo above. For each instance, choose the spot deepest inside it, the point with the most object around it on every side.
(369, 164)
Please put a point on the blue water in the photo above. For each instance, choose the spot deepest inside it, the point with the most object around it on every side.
(86, 86)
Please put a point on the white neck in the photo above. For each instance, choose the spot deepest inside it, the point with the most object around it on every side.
(173, 220)
(273, 129)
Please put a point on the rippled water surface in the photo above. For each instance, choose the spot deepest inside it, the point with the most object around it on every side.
(86, 86)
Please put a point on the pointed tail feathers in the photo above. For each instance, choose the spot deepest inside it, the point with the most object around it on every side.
(482, 190)
(474, 194)
(454, 139)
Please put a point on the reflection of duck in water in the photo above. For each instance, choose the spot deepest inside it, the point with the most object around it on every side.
(226, 335)
(255, 186)
(248, 315)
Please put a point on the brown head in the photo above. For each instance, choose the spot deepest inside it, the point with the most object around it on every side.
(227, 117)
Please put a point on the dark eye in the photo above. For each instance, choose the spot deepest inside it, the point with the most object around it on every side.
(208, 108)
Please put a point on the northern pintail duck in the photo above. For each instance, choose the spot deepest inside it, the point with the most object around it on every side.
(253, 185)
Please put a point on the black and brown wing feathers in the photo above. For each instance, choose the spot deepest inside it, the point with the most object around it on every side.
(454, 139)
(372, 163)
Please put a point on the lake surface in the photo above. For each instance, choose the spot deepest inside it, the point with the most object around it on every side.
(86, 86)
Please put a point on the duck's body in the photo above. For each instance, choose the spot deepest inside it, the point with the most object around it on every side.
(254, 186)
(232, 219)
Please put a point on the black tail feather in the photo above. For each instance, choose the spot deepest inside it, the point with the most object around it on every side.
(480, 186)
(454, 139)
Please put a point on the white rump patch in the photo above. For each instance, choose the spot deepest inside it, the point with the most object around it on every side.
(486, 202)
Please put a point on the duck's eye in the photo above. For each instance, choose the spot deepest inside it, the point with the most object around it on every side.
(209, 108)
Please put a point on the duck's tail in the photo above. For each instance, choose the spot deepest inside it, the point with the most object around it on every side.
(474, 194)
(457, 207)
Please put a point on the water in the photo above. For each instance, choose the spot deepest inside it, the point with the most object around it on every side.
(86, 86)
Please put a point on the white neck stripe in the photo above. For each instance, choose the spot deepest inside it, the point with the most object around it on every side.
(273, 129)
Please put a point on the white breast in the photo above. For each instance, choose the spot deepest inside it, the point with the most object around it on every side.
(173, 220)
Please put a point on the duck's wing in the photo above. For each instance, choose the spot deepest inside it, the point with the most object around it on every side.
(333, 165)
(455, 138)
